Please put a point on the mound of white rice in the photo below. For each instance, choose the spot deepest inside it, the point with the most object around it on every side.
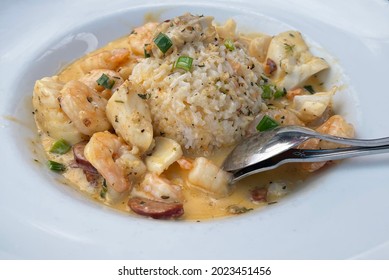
(210, 105)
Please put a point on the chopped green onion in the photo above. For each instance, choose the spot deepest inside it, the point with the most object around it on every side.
(266, 123)
(310, 89)
(267, 92)
(184, 62)
(105, 81)
(280, 93)
(270, 91)
(163, 42)
(60, 147)
(229, 44)
(146, 51)
(56, 166)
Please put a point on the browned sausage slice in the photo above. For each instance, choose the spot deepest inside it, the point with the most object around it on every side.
(155, 209)
(82, 162)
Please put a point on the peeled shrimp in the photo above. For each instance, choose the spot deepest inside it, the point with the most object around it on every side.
(141, 36)
(336, 126)
(48, 112)
(90, 79)
(84, 107)
(105, 60)
(157, 188)
(113, 160)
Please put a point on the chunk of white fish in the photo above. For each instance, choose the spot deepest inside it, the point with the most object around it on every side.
(209, 177)
(166, 152)
(295, 63)
(130, 116)
(312, 106)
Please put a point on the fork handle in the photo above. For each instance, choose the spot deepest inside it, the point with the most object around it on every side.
(352, 141)
(304, 155)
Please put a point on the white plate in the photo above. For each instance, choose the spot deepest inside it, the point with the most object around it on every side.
(341, 213)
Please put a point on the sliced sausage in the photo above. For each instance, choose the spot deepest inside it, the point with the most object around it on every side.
(79, 157)
(92, 177)
(155, 209)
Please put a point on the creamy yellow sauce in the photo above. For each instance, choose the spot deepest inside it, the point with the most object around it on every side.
(198, 205)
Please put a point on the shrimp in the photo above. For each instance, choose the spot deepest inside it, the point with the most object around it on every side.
(48, 113)
(84, 107)
(335, 126)
(114, 161)
(105, 60)
(90, 79)
(141, 36)
(157, 188)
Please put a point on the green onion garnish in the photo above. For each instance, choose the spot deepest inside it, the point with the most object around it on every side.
(310, 89)
(229, 44)
(163, 42)
(56, 166)
(266, 123)
(270, 91)
(267, 92)
(105, 81)
(280, 93)
(184, 62)
(60, 147)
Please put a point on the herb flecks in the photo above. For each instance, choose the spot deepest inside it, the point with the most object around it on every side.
(309, 88)
(144, 95)
(236, 209)
(289, 48)
(104, 189)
